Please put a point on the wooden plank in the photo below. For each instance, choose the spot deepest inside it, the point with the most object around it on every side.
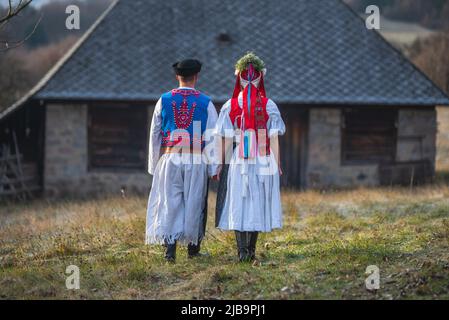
(9, 158)
(293, 148)
(18, 180)
(30, 169)
(117, 137)
(17, 192)
(369, 135)
(13, 180)
(19, 164)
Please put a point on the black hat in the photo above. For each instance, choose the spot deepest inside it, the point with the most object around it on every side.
(188, 67)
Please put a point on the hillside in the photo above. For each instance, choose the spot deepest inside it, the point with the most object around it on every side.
(433, 14)
(51, 28)
(403, 34)
(24, 66)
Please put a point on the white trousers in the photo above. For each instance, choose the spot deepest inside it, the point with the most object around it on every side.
(176, 200)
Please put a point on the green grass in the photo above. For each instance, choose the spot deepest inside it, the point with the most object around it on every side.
(321, 253)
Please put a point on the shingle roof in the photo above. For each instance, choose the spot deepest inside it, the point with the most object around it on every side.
(316, 52)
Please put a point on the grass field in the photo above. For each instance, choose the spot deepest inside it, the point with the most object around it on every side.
(322, 252)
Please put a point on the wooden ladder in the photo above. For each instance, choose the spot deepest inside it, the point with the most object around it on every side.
(13, 182)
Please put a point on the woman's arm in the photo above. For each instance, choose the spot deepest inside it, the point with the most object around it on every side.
(276, 127)
(276, 149)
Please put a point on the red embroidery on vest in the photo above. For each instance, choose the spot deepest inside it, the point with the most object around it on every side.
(183, 116)
(185, 92)
(182, 139)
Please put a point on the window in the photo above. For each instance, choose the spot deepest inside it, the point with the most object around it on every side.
(117, 137)
(369, 135)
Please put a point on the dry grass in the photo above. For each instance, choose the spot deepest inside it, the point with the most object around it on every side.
(322, 252)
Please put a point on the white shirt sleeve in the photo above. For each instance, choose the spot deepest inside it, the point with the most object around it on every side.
(155, 138)
(275, 123)
(211, 141)
(224, 127)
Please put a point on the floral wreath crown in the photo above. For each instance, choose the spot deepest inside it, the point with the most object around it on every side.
(250, 58)
(246, 68)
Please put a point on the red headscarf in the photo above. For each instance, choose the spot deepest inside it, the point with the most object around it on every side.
(254, 112)
(245, 75)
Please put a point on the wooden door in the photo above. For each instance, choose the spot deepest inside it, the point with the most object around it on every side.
(293, 146)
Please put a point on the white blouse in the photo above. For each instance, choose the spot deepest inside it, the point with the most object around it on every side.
(225, 128)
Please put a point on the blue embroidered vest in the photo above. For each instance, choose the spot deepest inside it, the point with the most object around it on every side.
(182, 110)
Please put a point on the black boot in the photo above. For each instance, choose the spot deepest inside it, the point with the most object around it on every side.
(242, 245)
(170, 253)
(194, 250)
(252, 245)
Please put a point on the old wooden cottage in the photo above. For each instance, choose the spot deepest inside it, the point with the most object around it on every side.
(357, 112)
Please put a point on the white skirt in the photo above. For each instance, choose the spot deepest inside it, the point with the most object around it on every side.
(253, 199)
(176, 200)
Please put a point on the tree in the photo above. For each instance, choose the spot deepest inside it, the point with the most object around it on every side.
(431, 55)
(12, 11)
(14, 80)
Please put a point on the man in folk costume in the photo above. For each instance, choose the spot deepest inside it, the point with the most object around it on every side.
(248, 200)
(179, 164)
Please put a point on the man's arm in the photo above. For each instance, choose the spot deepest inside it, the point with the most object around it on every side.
(155, 138)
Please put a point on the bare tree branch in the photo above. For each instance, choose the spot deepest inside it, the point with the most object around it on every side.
(14, 44)
(13, 11)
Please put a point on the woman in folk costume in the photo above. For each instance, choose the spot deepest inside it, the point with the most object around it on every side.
(249, 198)
(177, 201)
